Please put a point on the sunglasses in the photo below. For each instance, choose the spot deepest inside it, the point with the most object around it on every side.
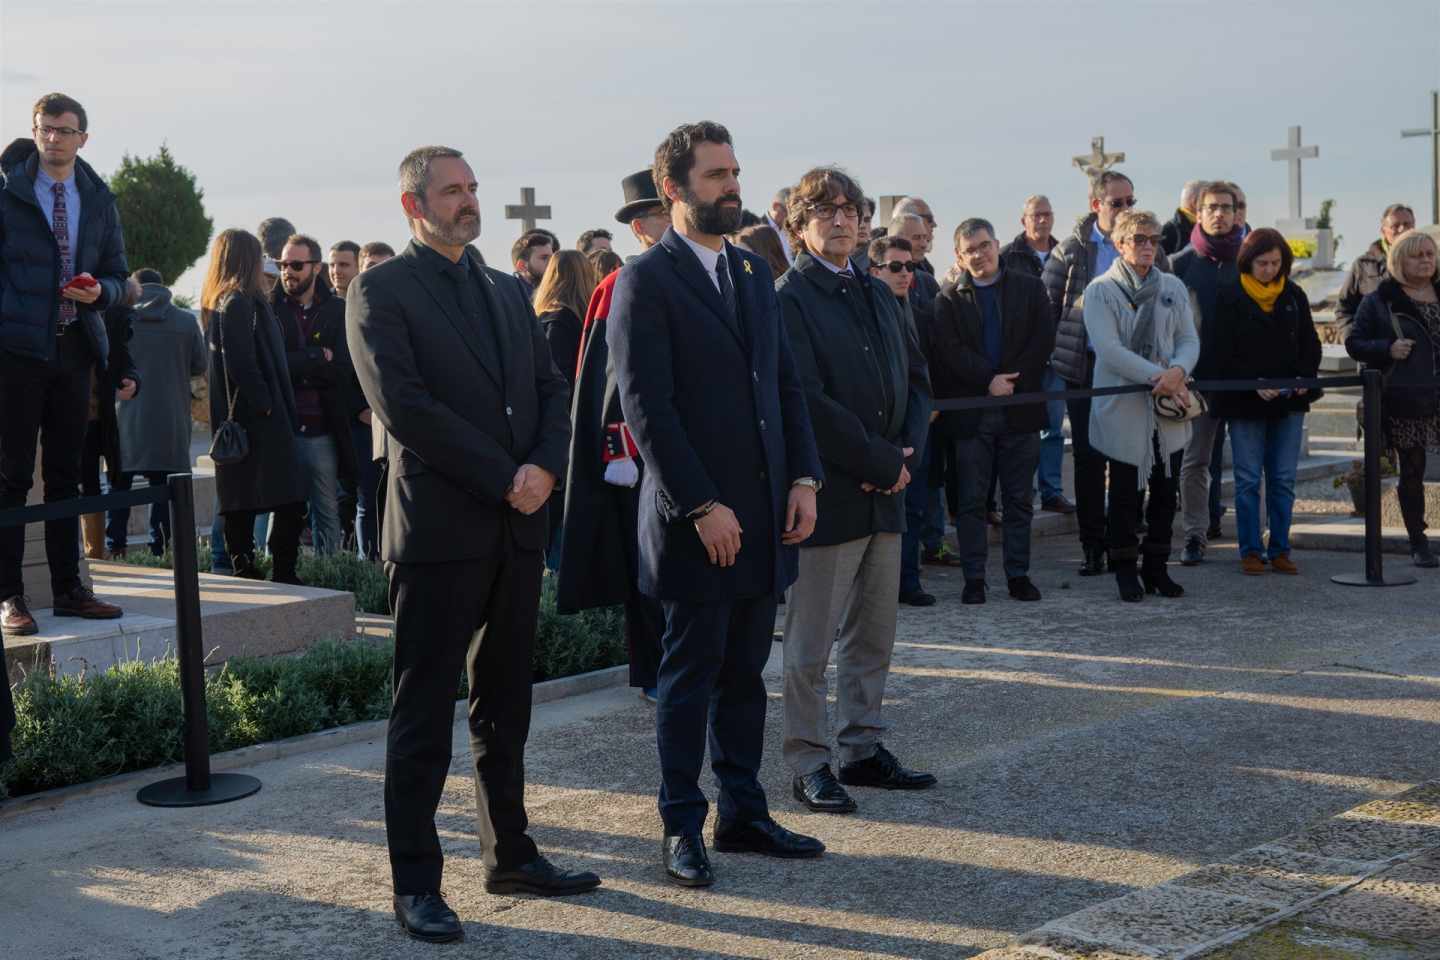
(1145, 240)
(895, 266)
(1120, 203)
(296, 265)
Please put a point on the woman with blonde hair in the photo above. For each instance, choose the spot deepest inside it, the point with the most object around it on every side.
(250, 384)
(1397, 330)
(560, 301)
(1140, 323)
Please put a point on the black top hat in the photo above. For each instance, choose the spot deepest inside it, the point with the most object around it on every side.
(640, 195)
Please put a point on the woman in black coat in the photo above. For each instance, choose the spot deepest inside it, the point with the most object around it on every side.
(249, 382)
(1263, 329)
(1397, 329)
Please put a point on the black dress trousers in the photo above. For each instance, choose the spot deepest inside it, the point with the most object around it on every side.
(480, 616)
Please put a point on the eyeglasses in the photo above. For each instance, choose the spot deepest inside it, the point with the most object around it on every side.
(1145, 240)
(896, 266)
(1219, 208)
(48, 132)
(827, 211)
(1120, 203)
(296, 265)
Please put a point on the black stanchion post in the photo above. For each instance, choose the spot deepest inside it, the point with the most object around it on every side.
(198, 788)
(1374, 575)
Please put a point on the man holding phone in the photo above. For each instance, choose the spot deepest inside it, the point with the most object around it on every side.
(57, 220)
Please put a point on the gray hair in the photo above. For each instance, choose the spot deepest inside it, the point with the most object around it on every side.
(910, 205)
(782, 196)
(1033, 200)
(415, 168)
(968, 228)
(1190, 194)
(897, 222)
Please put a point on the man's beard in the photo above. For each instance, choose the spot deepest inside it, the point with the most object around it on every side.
(457, 232)
(534, 277)
(304, 288)
(712, 219)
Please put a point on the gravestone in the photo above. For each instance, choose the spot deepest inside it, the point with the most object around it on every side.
(527, 211)
(888, 203)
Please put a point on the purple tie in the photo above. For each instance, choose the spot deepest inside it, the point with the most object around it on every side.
(60, 225)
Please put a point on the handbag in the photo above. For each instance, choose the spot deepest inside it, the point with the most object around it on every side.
(231, 443)
(1170, 408)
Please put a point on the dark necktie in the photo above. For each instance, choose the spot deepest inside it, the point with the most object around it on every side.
(727, 288)
(60, 226)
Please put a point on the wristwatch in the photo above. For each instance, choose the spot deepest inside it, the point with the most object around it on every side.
(810, 482)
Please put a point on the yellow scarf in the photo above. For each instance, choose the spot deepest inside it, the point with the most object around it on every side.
(1264, 294)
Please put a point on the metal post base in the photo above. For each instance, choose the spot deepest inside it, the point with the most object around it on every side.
(1361, 580)
(224, 787)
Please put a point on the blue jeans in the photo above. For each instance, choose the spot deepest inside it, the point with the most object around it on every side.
(322, 467)
(116, 531)
(367, 489)
(1049, 475)
(917, 502)
(1274, 447)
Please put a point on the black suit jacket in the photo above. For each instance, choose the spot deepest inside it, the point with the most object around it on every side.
(461, 416)
(866, 404)
(718, 413)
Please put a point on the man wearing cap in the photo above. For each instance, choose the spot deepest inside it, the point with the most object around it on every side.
(599, 555)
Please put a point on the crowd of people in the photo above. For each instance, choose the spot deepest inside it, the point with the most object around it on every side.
(741, 416)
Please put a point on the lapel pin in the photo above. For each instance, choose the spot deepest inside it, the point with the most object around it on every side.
(747, 266)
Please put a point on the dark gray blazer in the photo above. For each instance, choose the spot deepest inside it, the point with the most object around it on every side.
(464, 406)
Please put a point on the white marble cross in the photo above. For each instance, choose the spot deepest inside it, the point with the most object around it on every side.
(1292, 154)
(1434, 134)
(527, 211)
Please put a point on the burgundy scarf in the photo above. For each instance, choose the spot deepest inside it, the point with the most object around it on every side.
(1224, 249)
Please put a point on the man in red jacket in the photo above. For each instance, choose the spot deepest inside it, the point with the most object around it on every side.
(603, 487)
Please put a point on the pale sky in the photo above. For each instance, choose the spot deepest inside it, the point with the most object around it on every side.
(303, 109)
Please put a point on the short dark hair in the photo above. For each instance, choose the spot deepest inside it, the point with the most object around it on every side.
(1216, 188)
(971, 226)
(675, 157)
(818, 185)
(1260, 242)
(273, 232)
(606, 262)
(1098, 184)
(1397, 208)
(528, 241)
(54, 104)
(306, 241)
(147, 275)
(377, 248)
(414, 170)
(869, 207)
(345, 246)
(883, 245)
(590, 236)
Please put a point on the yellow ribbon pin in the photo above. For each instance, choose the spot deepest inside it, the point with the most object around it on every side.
(747, 266)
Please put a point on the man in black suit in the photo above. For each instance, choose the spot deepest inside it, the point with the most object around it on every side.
(453, 364)
(709, 389)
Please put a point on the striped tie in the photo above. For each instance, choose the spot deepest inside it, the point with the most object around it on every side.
(60, 225)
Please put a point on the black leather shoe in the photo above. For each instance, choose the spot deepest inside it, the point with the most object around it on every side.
(1422, 555)
(821, 792)
(686, 862)
(427, 917)
(1094, 563)
(1194, 552)
(974, 592)
(541, 878)
(918, 598)
(767, 837)
(1214, 532)
(884, 771)
(1022, 589)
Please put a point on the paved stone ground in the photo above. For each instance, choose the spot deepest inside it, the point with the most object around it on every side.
(1086, 749)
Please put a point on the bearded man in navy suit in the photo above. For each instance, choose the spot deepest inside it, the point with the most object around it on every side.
(709, 390)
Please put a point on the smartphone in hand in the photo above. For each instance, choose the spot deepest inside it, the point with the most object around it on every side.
(82, 282)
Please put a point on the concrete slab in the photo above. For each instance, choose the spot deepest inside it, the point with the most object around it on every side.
(237, 617)
(1402, 903)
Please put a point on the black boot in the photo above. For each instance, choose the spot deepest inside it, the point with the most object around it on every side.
(282, 568)
(1156, 577)
(1126, 580)
(243, 565)
(1421, 553)
(1094, 563)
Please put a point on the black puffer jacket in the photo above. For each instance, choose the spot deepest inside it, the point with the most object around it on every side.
(1018, 255)
(1175, 235)
(1381, 316)
(30, 260)
(1068, 272)
(1204, 278)
(1250, 343)
(1366, 274)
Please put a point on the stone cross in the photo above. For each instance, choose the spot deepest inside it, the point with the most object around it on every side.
(1434, 134)
(1098, 161)
(527, 211)
(1292, 154)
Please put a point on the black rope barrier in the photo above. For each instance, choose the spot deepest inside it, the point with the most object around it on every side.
(1204, 386)
(199, 787)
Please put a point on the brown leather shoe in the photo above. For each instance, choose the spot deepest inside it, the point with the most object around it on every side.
(15, 618)
(1283, 564)
(1251, 565)
(81, 603)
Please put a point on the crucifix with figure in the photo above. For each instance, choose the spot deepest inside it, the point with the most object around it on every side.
(1292, 153)
(1098, 160)
(527, 211)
